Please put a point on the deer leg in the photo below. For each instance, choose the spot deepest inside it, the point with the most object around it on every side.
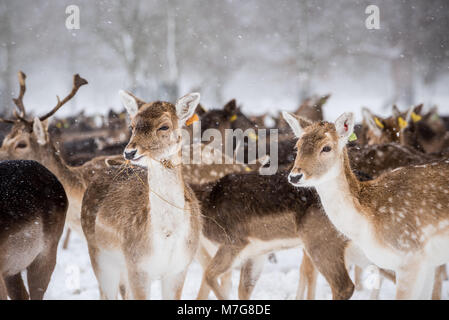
(39, 273)
(66, 239)
(249, 275)
(226, 283)
(358, 278)
(412, 281)
(139, 283)
(307, 279)
(439, 278)
(16, 288)
(172, 286)
(221, 263)
(204, 259)
(3, 294)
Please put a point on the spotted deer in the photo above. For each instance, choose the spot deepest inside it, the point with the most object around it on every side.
(33, 206)
(144, 224)
(399, 220)
(246, 216)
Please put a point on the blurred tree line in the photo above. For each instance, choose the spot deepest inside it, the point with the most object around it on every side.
(157, 43)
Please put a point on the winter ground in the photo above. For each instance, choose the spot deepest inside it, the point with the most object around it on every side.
(73, 278)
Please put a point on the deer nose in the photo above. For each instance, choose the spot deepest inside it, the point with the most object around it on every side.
(294, 178)
(130, 155)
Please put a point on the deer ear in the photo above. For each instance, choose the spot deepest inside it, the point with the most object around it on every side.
(129, 102)
(40, 131)
(297, 124)
(185, 106)
(395, 111)
(370, 120)
(230, 107)
(344, 126)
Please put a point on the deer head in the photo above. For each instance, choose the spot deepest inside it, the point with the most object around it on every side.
(319, 147)
(29, 139)
(385, 130)
(156, 127)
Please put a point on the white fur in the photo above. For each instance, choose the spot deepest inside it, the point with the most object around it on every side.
(39, 131)
(186, 105)
(170, 225)
(293, 123)
(129, 103)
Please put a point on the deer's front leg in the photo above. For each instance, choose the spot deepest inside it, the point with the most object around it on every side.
(220, 264)
(172, 286)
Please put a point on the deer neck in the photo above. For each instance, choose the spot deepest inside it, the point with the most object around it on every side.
(339, 197)
(68, 176)
(166, 184)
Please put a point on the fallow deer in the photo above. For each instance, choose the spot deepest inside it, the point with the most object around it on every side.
(144, 224)
(399, 220)
(33, 207)
(246, 216)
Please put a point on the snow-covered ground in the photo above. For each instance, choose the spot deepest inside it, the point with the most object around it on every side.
(73, 278)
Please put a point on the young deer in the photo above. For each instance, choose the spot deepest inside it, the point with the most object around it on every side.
(399, 220)
(33, 207)
(144, 224)
(246, 216)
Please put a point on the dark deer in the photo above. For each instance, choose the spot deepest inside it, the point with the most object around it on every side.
(33, 206)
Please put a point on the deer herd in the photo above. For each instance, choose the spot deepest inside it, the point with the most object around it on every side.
(348, 195)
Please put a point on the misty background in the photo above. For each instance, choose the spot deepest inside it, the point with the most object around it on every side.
(267, 54)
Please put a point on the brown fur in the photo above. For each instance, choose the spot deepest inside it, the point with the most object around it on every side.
(390, 203)
(33, 207)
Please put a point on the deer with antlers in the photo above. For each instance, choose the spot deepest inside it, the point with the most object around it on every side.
(29, 139)
(399, 220)
(144, 224)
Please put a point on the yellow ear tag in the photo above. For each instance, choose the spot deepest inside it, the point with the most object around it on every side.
(352, 137)
(402, 123)
(233, 118)
(416, 117)
(192, 119)
(252, 136)
(379, 124)
(247, 169)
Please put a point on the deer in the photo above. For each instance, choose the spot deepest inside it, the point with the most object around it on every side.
(246, 216)
(144, 224)
(399, 220)
(30, 139)
(426, 133)
(33, 208)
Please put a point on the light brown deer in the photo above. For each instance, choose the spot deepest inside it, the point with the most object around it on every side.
(144, 224)
(33, 206)
(399, 220)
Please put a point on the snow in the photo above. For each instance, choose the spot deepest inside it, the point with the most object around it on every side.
(74, 279)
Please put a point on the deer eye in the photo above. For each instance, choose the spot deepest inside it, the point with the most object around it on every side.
(163, 128)
(21, 145)
(326, 149)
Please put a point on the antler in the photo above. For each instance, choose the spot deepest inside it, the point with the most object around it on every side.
(19, 100)
(77, 83)
(6, 120)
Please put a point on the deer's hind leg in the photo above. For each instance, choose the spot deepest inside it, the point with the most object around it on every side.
(3, 294)
(249, 274)
(39, 272)
(16, 288)
(221, 263)
(414, 281)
